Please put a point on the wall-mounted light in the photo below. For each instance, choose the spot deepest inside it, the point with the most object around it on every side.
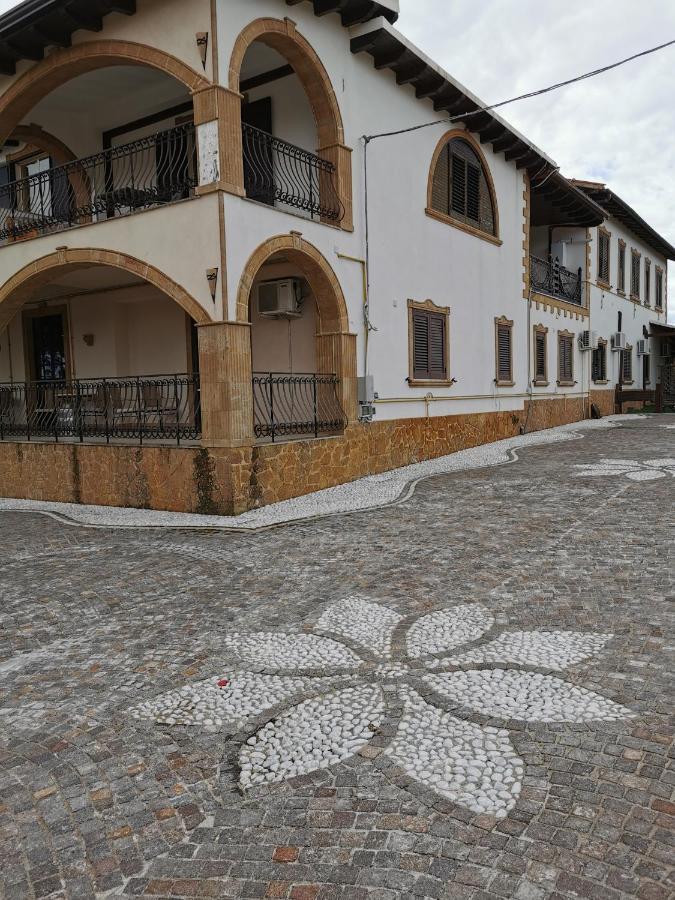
(212, 278)
(203, 45)
(89, 339)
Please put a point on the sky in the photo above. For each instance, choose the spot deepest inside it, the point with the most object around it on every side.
(618, 128)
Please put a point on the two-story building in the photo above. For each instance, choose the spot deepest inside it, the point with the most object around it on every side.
(254, 248)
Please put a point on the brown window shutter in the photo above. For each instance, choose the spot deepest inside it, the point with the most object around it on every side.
(420, 344)
(566, 359)
(603, 257)
(504, 353)
(540, 357)
(429, 345)
(473, 193)
(458, 184)
(440, 188)
(437, 351)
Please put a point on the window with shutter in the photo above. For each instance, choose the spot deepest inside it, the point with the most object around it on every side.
(635, 275)
(599, 362)
(627, 365)
(646, 369)
(460, 186)
(621, 286)
(504, 351)
(428, 342)
(648, 282)
(540, 355)
(565, 358)
(659, 288)
(603, 255)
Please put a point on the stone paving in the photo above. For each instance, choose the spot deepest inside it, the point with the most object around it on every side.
(465, 695)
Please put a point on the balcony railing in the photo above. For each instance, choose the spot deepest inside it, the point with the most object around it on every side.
(161, 408)
(154, 170)
(276, 172)
(549, 277)
(291, 405)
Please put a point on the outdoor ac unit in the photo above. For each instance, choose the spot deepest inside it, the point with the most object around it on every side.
(588, 340)
(643, 348)
(280, 298)
(619, 341)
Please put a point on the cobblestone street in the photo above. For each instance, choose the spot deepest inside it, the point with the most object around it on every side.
(465, 695)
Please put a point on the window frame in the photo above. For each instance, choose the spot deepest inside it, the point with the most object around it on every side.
(461, 134)
(621, 268)
(627, 354)
(635, 255)
(431, 309)
(602, 346)
(503, 322)
(563, 337)
(540, 331)
(604, 235)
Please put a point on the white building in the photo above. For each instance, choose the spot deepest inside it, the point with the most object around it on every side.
(224, 282)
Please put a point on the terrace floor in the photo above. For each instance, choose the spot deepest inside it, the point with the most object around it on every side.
(467, 694)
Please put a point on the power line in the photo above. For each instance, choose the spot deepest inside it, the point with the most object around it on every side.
(546, 90)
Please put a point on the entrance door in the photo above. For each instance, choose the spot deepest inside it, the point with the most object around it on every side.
(258, 154)
(47, 338)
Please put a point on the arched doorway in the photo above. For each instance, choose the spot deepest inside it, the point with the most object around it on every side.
(292, 132)
(303, 355)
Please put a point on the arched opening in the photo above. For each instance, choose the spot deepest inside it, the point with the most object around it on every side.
(303, 356)
(100, 130)
(292, 133)
(97, 347)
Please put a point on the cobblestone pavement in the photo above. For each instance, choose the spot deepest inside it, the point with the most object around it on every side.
(553, 571)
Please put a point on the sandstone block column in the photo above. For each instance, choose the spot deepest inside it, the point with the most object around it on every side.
(218, 121)
(336, 355)
(226, 384)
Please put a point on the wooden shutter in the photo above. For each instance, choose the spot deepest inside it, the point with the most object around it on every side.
(622, 267)
(440, 186)
(460, 188)
(437, 354)
(565, 358)
(603, 257)
(659, 289)
(420, 344)
(473, 193)
(599, 363)
(458, 184)
(504, 353)
(540, 356)
(429, 345)
(635, 275)
(648, 281)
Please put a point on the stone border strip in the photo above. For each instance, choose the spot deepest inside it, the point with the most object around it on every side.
(371, 492)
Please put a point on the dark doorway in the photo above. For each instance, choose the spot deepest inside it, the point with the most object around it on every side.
(256, 119)
(47, 354)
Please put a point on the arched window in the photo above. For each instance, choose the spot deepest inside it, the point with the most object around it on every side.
(461, 187)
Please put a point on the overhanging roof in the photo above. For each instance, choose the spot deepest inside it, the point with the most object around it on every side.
(556, 201)
(353, 12)
(621, 211)
(661, 329)
(32, 26)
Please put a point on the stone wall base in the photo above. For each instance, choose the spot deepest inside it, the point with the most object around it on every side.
(228, 481)
(604, 400)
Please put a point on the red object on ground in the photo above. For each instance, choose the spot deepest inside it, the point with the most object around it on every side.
(223, 682)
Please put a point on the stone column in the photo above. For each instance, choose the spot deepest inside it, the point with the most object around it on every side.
(336, 355)
(218, 121)
(226, 384)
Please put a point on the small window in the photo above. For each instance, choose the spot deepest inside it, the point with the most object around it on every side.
(659, 288)
(460, 187)
(622, 267)
(504, 352)
(540, 355)
(599, 362)
(565, 358)
(635, 275)
(627, 365)
(648, 282)
(603, 255)
(429, 343)
(646, 369)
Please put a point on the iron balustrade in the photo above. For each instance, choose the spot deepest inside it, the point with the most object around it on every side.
(278, 172)
(286, 405)
(158, 169)
(163, 407)
(549, 277)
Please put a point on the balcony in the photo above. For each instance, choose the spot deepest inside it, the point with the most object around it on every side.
(549, 277)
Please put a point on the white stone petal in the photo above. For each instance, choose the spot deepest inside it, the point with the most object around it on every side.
(474, 767)
(366, 624)
(660, 463)
(313, 735)
(446, 629)
(597, 470)
(646, 475)
(524, 695)
(206, 703)
(290, 652)
(542, 649)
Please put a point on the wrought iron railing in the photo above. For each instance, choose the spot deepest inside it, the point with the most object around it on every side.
(164, 407)
(279, 173)
(154, 170)
(287, 405)
(549, 277)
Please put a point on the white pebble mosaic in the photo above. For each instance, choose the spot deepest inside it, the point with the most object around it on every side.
(540, 649)
(313, 735)
(446, 629)
(472, 766)
(634, 469)
(527, 696)
(367, 624)
(279, 651)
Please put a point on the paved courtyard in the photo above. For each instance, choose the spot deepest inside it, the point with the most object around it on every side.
(468, 694)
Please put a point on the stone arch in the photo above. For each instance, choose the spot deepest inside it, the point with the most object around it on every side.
(21, 286)
(63, 65)
(282, 35)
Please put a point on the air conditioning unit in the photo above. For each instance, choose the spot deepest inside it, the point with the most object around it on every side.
(619, 341)
(643, 348)
(588, 340)
(281, 298)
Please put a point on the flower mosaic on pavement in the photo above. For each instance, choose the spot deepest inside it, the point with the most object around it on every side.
(334, 699)
(636, 470)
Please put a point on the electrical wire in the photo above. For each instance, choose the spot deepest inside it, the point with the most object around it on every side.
(529, 95)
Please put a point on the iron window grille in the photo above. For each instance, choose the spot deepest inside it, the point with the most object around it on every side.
(460, 187)
(565, 359)
(430, 350)
(627, 365)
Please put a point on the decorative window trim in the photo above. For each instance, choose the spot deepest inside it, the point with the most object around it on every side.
(428, 306)
(635, 254)
(621, 270)
(448, 220)
(659, 276)
(537, 330)
(502, 321)
(601, 343)
(565, 382)
(604, 232)
(648, 282)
